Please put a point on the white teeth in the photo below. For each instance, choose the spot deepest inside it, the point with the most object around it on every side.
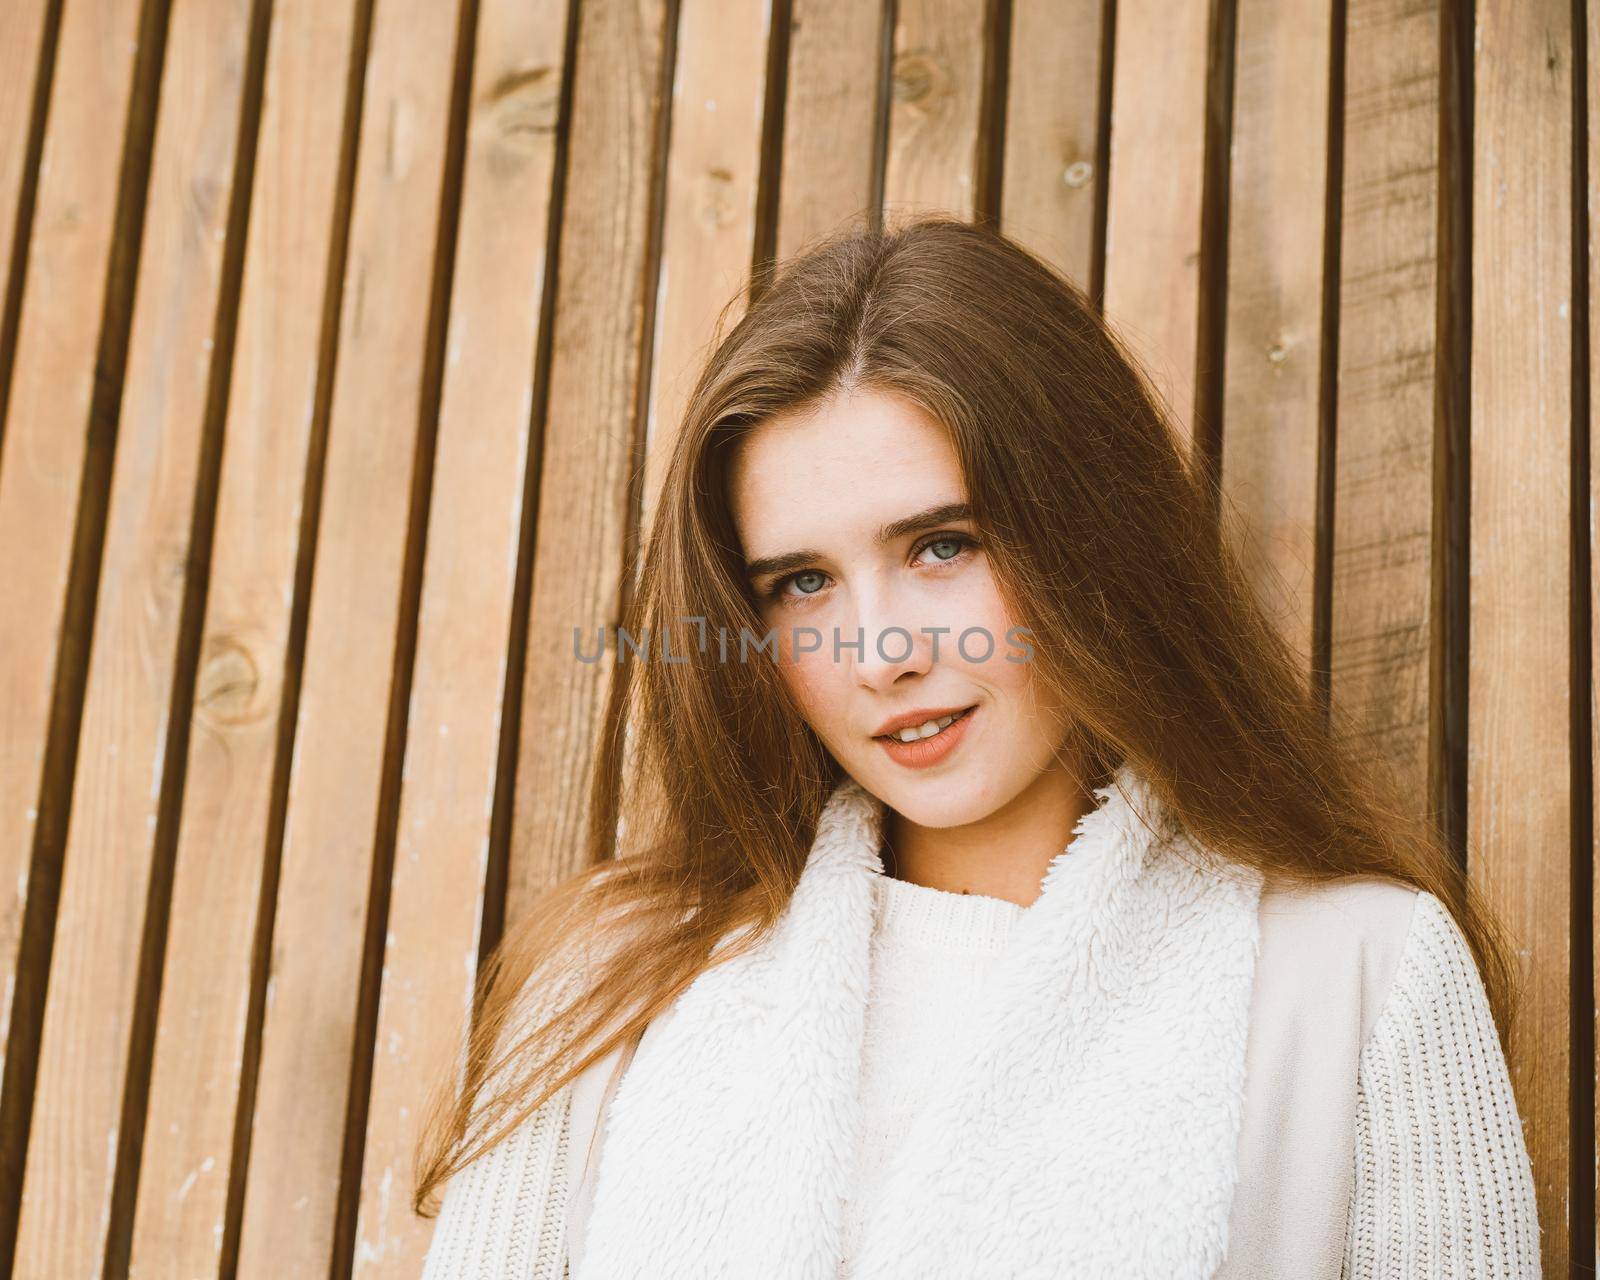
(924, 730)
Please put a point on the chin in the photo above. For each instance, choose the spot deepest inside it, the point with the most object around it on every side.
(937, 800)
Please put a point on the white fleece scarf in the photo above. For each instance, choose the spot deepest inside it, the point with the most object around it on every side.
(1092, 1125)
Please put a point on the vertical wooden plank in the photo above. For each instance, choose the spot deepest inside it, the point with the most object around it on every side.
(1052, 179)
(1273, 366)
(22, 30)
(469, 577)
(1519, 757)
(591, 427)
(47, 422)
(937, 96)
(22, 68)
(342, 777)
(1387, 482)
(592, 424)
(200, 1065)
(830, 118)
(84, 1052)
(1153, 213)
(708, 234)
(1591, 107)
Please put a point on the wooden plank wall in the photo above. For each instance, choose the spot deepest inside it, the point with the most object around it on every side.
(340, 343)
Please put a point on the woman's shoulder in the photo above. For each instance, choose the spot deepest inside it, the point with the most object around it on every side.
(1381, 954)
(1346, 937)
(1372, 912)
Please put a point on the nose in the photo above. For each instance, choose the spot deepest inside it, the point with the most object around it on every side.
(892, 645)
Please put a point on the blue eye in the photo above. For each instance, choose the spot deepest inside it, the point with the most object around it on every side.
(957, 543)
(777, 590)
(961, 543)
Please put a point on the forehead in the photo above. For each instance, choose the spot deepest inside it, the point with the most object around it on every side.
(854, 461)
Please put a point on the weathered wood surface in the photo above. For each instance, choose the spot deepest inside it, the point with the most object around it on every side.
(340, 348)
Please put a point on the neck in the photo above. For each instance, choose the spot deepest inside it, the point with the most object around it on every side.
(1001, 855)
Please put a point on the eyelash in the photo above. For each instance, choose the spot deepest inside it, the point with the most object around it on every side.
(775, 592)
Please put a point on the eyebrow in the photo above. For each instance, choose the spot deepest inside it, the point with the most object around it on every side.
(944, 513)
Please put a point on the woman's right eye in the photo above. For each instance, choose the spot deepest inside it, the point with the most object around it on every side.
(776, 590)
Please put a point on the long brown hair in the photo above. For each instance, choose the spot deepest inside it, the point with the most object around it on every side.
(1102, 534)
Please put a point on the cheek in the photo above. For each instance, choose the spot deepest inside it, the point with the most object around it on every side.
(813, 683)
(979, 609)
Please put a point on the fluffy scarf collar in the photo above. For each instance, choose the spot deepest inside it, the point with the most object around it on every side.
(1092, 1125)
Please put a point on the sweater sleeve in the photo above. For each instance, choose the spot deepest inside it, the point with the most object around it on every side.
(1443, 1189)
(503, 1217)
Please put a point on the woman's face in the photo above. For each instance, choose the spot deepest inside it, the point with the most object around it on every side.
(870, 575)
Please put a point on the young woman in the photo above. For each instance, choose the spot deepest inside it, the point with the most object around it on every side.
(994, 898)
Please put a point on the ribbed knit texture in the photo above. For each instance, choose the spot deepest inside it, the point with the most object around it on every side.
(1443, 1186)
(931, 952)
(503, 1217)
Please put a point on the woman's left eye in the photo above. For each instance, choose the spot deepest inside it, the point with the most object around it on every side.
(959, 541)
(958, 544)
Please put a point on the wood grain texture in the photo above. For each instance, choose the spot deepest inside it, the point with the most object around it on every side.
(1153, 214)
(1051, 179)
(1591, 221)
(830, 119)
(47, 421)
(334, 785)
(341, 781)
(1273, 367)
(111, 839)
(441, 857)
(232, 774)
(1519, 753)
(1388, 477)
(22, 69)
(936, 97)
(708, 232)
(591, 433)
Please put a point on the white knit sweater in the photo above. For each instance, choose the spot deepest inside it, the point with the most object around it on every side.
(931, 952)
(1442, 1181)
(1439, 1189)
(1435, 1148)
(1442, 1185)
